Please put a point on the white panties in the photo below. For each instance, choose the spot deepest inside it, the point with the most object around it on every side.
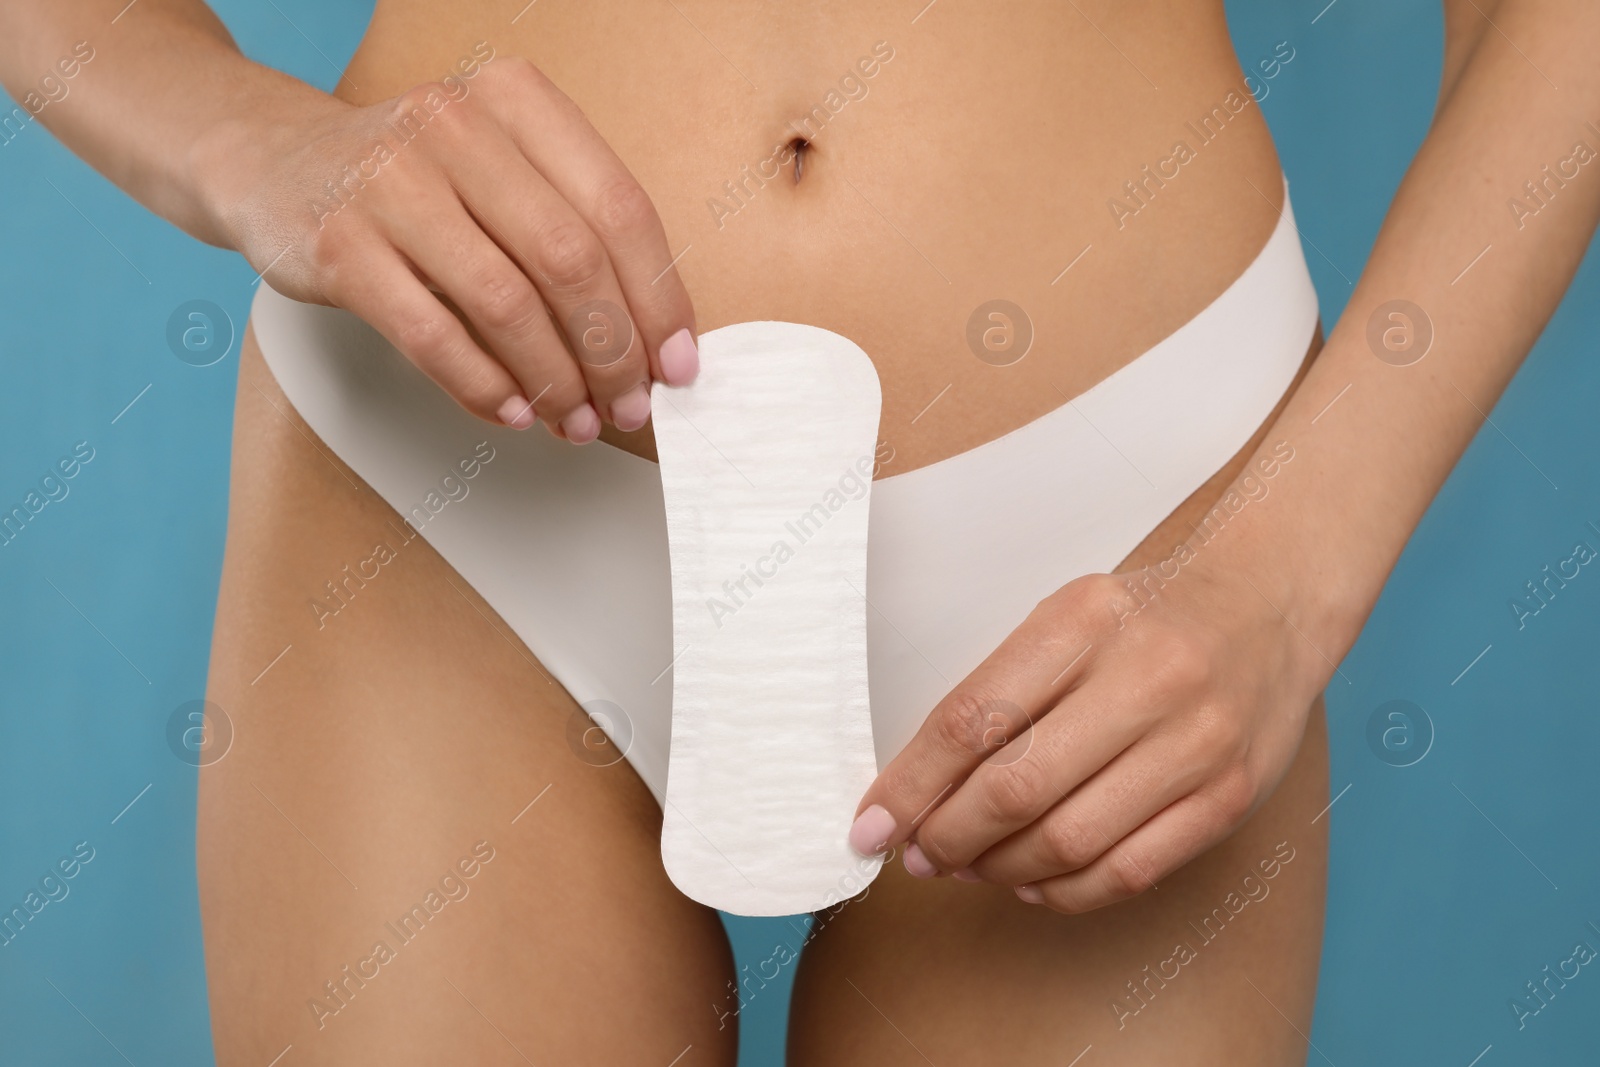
(569, 544)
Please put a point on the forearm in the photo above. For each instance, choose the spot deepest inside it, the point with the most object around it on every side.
(163, 86)
(1374, 441)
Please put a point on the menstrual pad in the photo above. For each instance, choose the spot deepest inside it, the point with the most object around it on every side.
(766, 470)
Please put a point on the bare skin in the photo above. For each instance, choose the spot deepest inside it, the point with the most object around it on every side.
(385, 753)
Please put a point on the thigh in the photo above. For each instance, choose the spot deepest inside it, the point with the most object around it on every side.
(401, 857)
(1216, 965)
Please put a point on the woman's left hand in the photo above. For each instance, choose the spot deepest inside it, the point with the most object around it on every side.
(1108, 741)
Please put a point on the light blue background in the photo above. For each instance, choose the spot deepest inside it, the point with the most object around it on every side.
(1443, 898)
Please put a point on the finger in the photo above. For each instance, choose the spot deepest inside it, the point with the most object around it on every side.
(570, 268)
(561, 143)
(1174, 837)
(998, 701)
(501, 303)
(1084, 826)
(1031, 775)
(371, 281)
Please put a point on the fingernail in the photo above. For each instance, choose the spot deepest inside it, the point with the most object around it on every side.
(1030, 893)
(918, 865)
(581, 426)
(870, 833)
(631, 410)
(680, 359)
(966, 874)
(517, 413)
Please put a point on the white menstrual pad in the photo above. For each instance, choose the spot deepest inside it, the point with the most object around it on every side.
(766, 470)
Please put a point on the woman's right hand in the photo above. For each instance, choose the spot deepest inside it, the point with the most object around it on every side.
(491, 193)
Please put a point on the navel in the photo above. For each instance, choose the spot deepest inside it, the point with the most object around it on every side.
(799, 146)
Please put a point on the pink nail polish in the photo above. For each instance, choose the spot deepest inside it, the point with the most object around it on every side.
(680, 359)
(966, 874)
(631, 410)
(870, 833)
(1030, 893)
(582, 425)
(918, 865)
(517, 413)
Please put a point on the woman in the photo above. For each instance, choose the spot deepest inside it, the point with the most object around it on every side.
(479, 164)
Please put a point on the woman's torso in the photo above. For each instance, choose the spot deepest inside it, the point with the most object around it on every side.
(958, 154)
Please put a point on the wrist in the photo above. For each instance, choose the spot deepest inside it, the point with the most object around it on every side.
(227, 165)
(1304, 573)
